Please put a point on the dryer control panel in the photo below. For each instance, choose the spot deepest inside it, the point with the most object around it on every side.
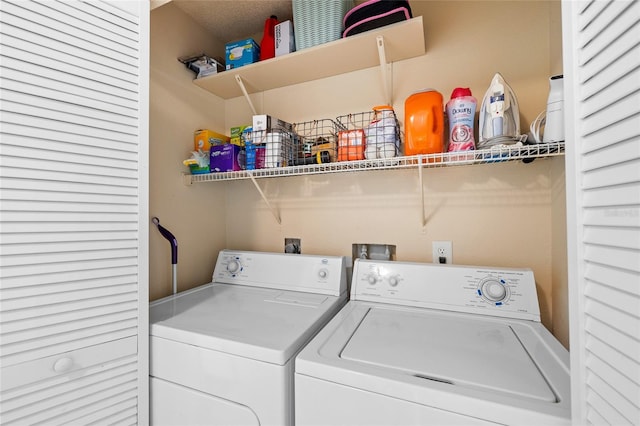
(504, 292)
(295, 272)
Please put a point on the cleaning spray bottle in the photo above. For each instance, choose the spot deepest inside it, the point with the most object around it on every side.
(268, 42)
(461, 110)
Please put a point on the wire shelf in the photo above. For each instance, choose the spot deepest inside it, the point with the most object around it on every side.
(524, 153)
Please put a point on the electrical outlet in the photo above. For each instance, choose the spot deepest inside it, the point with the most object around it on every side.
(293, 245)
(442, 252)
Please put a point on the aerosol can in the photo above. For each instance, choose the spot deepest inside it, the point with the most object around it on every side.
(499, 115)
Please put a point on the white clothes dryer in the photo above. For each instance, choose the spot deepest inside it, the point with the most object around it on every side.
(426, 344)
(223, 353)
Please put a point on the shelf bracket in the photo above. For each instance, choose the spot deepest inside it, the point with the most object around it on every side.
(275, 214)
(384, 68)
(421, 179)
(245, 93)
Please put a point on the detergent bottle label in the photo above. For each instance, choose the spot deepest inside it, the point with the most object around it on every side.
(461, 112)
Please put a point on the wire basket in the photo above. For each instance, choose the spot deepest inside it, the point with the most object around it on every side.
(266, 150)
(369, 135)
(316, 141)
(318, 21)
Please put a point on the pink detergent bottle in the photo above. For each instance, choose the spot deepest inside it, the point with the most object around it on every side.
(461, 110)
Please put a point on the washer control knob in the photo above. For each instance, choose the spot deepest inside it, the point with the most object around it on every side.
(494, 290)
(323, 273)
(393, 281)
(372, 279)
(233, 266)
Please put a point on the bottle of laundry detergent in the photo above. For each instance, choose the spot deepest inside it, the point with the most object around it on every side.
(461, 110)
(424, 123)
(268, 42)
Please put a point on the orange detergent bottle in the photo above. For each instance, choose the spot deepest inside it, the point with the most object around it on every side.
(424, 123)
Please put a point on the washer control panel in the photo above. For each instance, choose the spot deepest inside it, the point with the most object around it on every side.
(296, 272)
(506, 292)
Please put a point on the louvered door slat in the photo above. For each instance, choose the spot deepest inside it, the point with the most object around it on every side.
(63, 317)
(112, 42)
(95, 393)
(17, 147)
(28, 78)
(620, 279)
(612, 22)
(72, 253)
(27, 314)
(51, 124)
(64, 110)
(44, 41)
(26, 51)
(621, 237)
(42, 238)
(609, 402)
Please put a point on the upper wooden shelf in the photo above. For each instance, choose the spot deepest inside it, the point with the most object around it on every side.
(402, 40)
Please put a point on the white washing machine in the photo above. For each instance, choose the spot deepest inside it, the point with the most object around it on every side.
(223, 353)
(425, 344)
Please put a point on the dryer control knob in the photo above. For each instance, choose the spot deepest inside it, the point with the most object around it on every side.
(393, 281)
(323, 273)
(372, 279)
(233, 266)
(494, 290)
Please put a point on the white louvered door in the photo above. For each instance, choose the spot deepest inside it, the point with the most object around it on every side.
(74, 213)
(602, 97)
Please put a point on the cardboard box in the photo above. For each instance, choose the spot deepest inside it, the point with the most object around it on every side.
(225, 158)
(204, 139)
(255, 156)
(242, 52)
(236, 135)
(264, 122)
(284, 38)
(351, 145)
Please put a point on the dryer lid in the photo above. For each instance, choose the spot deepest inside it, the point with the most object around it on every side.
(265, 324)
(475, 353)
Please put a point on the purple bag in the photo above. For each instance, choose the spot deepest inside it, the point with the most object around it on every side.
(375, 14)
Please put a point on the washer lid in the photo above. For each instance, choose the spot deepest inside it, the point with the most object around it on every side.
(477, 353)
(264, 324)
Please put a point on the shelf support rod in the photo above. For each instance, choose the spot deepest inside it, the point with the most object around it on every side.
(264, 198)
(421, 179)
(245, 93)
(384, 68)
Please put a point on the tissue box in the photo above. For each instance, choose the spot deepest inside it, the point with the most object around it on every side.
(242, 52)
(285, 42)
(225, 158)
(204, 139)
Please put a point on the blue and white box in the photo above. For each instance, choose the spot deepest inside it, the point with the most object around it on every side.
(242, 52)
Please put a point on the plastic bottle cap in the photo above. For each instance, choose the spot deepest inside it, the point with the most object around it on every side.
(459, 92)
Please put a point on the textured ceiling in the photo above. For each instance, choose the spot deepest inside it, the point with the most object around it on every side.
(229, 20)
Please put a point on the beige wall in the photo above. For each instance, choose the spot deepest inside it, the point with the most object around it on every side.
(506, 214)
(196, 215)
